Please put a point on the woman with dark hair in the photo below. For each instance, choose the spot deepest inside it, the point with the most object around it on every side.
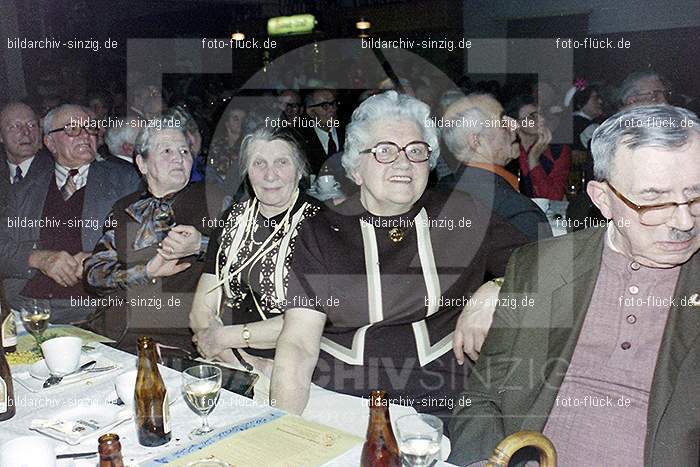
(543, 167)
(588, 106)
(222, 164)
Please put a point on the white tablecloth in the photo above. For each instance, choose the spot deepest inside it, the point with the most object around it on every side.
(341, 411)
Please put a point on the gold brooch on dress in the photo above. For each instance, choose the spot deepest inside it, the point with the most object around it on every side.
(396, 234)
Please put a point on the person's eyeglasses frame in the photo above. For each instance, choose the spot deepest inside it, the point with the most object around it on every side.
(67, 129)
(325, 104)
(373, 151)
(652, 95)
(641, 209)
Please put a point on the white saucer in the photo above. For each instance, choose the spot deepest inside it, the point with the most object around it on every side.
(39, 370)
(76, 424)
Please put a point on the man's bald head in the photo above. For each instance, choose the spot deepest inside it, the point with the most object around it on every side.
(475, 128)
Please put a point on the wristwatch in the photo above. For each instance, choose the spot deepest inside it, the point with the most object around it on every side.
(245, 334)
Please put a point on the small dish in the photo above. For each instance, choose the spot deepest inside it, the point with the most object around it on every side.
(74, 425)
(39, 370)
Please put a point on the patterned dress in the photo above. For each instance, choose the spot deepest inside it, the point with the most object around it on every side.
(258, 291)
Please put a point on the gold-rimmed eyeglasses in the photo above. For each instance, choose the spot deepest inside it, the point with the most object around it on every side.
(386, 152)
(657, 214)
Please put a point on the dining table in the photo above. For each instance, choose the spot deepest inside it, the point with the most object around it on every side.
(38, 407)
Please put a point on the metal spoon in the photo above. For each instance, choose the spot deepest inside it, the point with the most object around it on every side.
(57, 379)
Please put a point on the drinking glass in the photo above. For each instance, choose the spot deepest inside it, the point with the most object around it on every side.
(419, 437)
(202, 384)
(35, 314)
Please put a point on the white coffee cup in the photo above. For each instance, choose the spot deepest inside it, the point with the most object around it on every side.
(28, 451)
(62, 354)
(326, 182)
(125, 385)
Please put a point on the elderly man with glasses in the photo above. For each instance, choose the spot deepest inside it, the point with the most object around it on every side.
(643, 88)
(322, 135)
(606, 359)
(54, 220)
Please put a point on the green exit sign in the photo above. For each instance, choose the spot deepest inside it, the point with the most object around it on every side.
(297, 24)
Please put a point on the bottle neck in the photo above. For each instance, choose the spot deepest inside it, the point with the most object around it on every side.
(147, 354)
(379, 420)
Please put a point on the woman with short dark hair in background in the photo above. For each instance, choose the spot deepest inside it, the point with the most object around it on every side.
(544, 167)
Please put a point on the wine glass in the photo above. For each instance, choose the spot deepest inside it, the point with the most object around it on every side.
(35, 314)
(419, 437)
(202, 384)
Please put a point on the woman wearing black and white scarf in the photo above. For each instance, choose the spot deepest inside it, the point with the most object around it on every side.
(241, 295)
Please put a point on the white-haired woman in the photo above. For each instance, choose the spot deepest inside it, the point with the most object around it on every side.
(378, 283)
(241, 295)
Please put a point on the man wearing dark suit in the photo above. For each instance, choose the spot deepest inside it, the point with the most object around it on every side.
(55, 218)
(20, 136)
(480, 137)
(324, 136)
(605, 359)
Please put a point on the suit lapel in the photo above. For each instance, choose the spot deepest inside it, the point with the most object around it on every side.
(568, 305)
(98, 192)
(682, 329)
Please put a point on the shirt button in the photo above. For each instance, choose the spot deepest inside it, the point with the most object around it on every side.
(635, 266)
(625, 345)
(631, 319)
(634, 290)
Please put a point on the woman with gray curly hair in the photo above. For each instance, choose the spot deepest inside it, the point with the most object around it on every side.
(151, 253)
(378, 283)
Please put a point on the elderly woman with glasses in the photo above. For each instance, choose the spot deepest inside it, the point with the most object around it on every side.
(151, 254)
(378, 282)
(241, 295)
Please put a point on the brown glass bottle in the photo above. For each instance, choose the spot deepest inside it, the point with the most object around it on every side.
(150, 398)
(380, 448)
(8, 326)
(110, 450)
(7, 393)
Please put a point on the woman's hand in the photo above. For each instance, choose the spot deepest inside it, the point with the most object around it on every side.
(544, 137)
(211, 341)
(474, 322)
(158, 266)
(182, 241)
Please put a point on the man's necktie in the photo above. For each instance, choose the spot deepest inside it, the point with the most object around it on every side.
(332, 148)
(18, 175)
(69, 187)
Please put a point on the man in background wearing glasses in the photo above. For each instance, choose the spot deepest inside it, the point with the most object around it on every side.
(53, 221)
(606, 363)
(324, 136)
(643, 88)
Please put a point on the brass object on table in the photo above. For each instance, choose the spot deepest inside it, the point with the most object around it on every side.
(513, 443)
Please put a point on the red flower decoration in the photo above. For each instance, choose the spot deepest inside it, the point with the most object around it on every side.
(580, 84)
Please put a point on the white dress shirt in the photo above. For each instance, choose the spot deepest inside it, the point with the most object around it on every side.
(80, 179)
(24, 166)
(323, 138)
